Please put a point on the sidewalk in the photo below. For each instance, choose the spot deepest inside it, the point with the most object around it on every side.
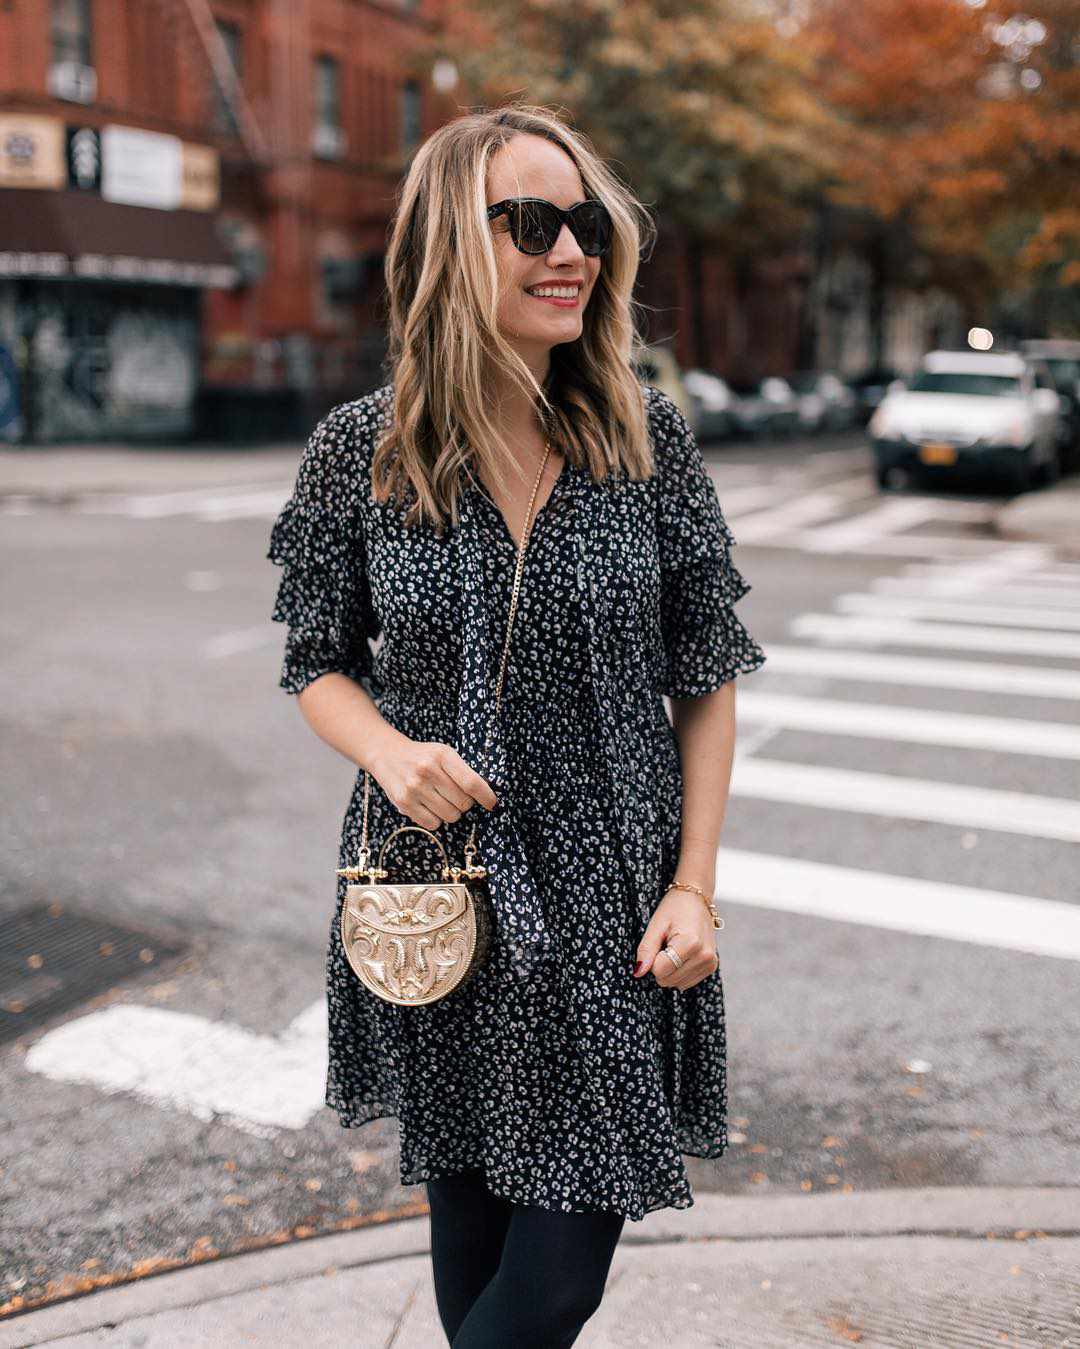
(898, 1268)
(1051, 516)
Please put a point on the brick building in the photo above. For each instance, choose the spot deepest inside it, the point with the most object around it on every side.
(194, 200)
(181, 251)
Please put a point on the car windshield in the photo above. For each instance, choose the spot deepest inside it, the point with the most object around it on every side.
(1065, 371)
(965, 381)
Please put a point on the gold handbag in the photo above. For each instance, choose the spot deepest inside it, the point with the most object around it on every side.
(413, 942)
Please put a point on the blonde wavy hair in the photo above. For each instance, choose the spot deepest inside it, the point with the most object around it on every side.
(444, 344)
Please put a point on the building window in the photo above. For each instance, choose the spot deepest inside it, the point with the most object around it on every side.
(411, 109)
(70, 32)
(328, 135)
(71, 72)
(223, 115)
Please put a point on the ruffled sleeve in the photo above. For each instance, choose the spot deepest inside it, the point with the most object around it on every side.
(318, 539)
(705, 644)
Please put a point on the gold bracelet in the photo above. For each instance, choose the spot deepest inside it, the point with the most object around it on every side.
(717, 921)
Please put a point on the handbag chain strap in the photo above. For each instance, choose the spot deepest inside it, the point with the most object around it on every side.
(470, 847)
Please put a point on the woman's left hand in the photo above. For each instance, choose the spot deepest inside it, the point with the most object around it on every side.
(680, 920)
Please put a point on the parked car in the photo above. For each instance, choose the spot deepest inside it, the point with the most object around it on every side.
(969, 411)
(765, 407)
(870, 388)
(714, 401)
(825, 401)
(1062, 357)
(656, 365)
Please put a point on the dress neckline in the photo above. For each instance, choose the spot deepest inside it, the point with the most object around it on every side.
(560, 479)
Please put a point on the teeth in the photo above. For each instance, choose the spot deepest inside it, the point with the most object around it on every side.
(559, 292)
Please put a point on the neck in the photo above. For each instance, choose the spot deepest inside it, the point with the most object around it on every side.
(514, 411)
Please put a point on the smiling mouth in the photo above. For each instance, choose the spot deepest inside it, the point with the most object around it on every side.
(566, 301)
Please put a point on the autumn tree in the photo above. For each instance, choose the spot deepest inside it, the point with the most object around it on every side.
(963, 121)
(701, 105)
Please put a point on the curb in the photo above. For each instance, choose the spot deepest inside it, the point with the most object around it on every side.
(1003, 1213)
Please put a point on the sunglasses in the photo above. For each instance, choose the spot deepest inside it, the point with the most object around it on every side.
(535, 224)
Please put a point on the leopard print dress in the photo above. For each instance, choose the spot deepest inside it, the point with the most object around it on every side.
(578, 1088)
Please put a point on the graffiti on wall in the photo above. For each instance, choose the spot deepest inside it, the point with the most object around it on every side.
(107, 366)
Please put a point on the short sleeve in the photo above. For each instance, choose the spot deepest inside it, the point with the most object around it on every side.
(705, 643)
(318, 540)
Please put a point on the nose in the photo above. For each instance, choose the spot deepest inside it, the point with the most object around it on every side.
(566, 248)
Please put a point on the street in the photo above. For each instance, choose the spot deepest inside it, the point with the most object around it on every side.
(898, 869)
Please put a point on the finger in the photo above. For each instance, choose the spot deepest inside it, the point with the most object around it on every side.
(470, 782)
(440, 807)
(701, 970)
(648, 948)
(666, 970)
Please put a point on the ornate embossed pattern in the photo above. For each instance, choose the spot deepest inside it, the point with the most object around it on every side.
(410, 943)
(581, 1088)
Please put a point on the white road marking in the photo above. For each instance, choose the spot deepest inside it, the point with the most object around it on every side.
(999, 567)
(908, 545)
(767, 525)
(874, 667)
(928, 908)
(970, 610)
(735, 501)
(1007, 596)
(887, 517)
(240, 640)
(898, 632)
(264, 503)
(905, 798)
(240, 498)
(259, 1083)
(826, 716)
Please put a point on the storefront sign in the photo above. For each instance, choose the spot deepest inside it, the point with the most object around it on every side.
(122, 164)
(31, 151)
(200, 177)
(140, 168)
(84, 158)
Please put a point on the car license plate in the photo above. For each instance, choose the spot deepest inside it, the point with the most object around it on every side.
(937, 452)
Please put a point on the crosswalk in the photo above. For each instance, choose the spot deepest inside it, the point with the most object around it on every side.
(827, 503)
(970, 646)
(1007, 626)
(830, 503)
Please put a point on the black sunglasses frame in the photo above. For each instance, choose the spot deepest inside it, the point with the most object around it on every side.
(553, 213)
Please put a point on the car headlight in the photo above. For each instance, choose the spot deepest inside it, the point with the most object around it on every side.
(1017, 432)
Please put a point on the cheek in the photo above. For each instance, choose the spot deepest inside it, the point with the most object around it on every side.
(512, 295)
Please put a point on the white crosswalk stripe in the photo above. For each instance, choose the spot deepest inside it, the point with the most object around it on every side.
(905, 904)
(1013, 603)
(976, 676)
(955, 611)
(906, 798)
(953, 637)
(960, 730)
(213, 505)
(831, 504)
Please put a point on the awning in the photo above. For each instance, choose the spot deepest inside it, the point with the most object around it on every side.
(76, 235)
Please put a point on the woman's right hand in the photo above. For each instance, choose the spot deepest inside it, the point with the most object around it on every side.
(429, 781)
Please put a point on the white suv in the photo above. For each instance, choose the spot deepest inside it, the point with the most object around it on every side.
(969, 410)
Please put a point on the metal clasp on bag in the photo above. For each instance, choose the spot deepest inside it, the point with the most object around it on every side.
(450, 872)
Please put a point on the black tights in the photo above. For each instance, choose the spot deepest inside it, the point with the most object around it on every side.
(515, 1274)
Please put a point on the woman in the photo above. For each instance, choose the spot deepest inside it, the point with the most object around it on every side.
(551, 1097)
